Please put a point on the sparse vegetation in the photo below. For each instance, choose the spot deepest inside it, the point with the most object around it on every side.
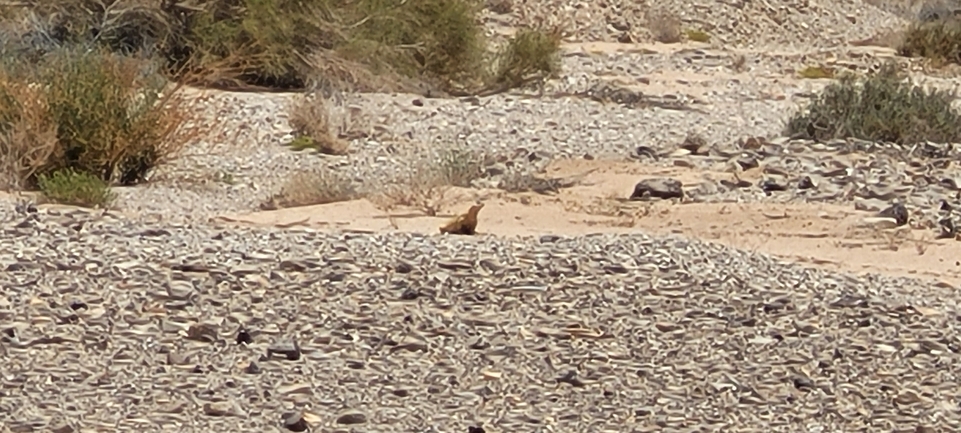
(427, 182)
(815, 72)
(89, 112)
(75, 188)
(316, 125)
(94, 88)
(313, 188)
(697, 35)
(285, 44)
(879, 107)
(531, 55)
(664, 26)
(939, 40)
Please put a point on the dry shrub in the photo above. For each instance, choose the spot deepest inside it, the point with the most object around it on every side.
(665, 27)
(28, 132)
(313, 188)
(324, 123)
(500, 7)
(939, 40)
(115, 119)
(257, 44)
(425, 183)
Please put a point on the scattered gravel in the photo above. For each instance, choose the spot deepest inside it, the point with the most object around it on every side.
(115, 324)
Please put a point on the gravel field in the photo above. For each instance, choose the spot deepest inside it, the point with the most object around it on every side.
(113, 324)
(151, 317)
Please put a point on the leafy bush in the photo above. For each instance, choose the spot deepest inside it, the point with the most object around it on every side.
(938, 40)
(113, 119)
(71, 187)
(91, 112)
(274, 44)
(881, 107)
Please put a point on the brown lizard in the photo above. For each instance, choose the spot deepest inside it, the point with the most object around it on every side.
(463, 224)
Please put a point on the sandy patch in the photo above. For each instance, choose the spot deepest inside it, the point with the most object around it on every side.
(823, 235)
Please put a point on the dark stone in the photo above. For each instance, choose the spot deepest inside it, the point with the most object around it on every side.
(769, 186)
(352, 418)
(644, 151)
(289, 349)
(243, 337)
(662, 188)
(896, 211)
(948, 229)
(570, 378)
(409, 295)
(547, 239)
(805, 183)
(294, 421)
(748, 163)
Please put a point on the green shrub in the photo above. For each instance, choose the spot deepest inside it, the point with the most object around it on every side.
(938, 40)
(113, 121)
(529, 55)
(880, 107)
(278, 44)
(75, 188)
(91, 112)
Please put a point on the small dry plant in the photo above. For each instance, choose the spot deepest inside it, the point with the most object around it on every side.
(500, 6)
(28, 132)
(665, 27)
(739, 63)
(324, 123)
(310, 188)
(426, 181)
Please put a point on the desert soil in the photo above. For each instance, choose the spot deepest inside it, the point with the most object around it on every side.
(778, 294)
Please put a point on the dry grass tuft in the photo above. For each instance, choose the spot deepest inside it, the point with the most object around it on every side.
(665, 27)
(313, 188)
(427, 182)
(28, 132)
(322, 123)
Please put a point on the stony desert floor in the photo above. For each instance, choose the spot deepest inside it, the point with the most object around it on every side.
(778, 294)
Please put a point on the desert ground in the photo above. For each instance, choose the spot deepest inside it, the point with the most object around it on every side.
(777, 292)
